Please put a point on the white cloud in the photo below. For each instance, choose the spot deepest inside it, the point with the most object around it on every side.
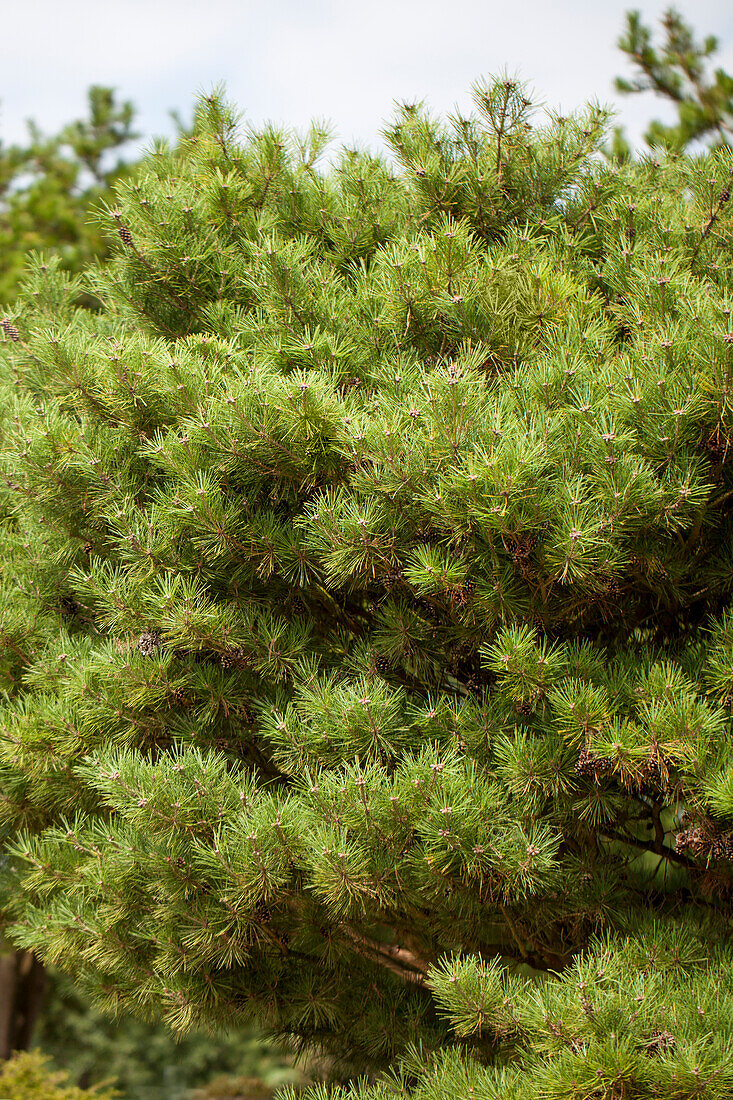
(292, 60)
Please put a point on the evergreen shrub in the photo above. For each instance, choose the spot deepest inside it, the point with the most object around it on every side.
(368, 605)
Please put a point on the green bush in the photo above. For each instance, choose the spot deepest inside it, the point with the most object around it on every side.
(369, 606)
(26, 1076)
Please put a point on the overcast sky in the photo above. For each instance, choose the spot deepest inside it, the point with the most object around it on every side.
(293, 60)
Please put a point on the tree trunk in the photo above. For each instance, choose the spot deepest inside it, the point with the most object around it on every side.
(22, 985)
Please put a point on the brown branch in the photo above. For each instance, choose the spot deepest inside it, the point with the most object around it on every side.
(406, 964)
(634, 842)
(658, 829)
(514, 934)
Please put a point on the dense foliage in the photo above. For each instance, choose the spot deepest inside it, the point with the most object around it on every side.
(387, 511)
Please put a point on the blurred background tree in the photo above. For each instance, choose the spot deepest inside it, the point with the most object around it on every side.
(48, 185)
(679, 71)
(145, 1061)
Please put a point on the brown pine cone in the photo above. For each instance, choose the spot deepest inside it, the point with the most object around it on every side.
(659, 1040)
(148, 642)
(696, 839)
(381, 663)
(179, 698)
(231, 657)
(125, 236)
(590, 763)
(263, 912)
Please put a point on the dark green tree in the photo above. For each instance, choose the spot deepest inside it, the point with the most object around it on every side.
(679, 71)
(388, 516)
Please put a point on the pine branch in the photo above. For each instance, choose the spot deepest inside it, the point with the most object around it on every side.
(406, 964)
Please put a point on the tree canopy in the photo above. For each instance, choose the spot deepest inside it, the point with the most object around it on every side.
(368, 630)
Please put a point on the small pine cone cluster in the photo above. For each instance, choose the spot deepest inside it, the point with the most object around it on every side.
(658, 1041)
(231, 658)
(722, 847)
(527, 706)
(297, 606)
(465, 593)
(125, 236)
(381, 663)
(702, 840)
(694, 839)
(391, 577)
(523, 546)
(179, 698)
(9, 329)
(591, 764)
(262, 912)
(148, 642)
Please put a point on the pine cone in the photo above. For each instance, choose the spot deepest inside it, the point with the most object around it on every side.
(465, 593)
(147, 643)
(231, 657)
(721, 847)
(523, 546)
(9, 329)
(696, 839)
(391, 576)
(263, 912)
(178, 697)
(381, 663)
(125, 236)
(659, 1040)
(590, 763)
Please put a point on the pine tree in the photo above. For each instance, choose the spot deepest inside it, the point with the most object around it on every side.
(49, 183)
(678, 73)
(374, 540)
